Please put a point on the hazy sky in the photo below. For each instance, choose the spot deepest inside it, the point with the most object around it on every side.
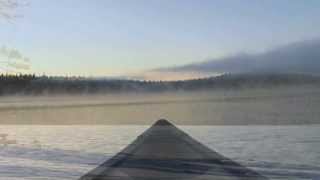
(105, 37)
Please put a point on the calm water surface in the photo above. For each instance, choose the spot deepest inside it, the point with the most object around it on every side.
(67, 152)
(280, 106)
(54, 150)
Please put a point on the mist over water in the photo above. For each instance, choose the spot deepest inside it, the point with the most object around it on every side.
(81, 80)
(288, 105)
(93, 128)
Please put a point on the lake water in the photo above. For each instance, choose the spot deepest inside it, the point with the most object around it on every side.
(67, 152)
(275, 106)
(63, 137)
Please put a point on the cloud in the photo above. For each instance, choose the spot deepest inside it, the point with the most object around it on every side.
(299, 57)
(8, 8)
(14, 59)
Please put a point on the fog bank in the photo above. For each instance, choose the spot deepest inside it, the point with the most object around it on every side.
(299, 57)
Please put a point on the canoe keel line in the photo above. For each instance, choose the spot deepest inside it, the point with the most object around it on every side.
(164, 152)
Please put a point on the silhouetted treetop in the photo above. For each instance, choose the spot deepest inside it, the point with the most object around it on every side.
(30, 84)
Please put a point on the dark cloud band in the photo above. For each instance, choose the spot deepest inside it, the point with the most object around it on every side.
(299, 57)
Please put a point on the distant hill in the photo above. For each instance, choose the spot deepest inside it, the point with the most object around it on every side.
(44, 85)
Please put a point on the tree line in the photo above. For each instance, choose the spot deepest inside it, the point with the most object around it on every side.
(30, 84)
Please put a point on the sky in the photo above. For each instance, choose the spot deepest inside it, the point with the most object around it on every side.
(126, 38)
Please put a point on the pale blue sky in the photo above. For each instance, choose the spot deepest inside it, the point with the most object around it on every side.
(104, 37)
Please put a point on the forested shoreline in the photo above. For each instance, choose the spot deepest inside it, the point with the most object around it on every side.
(30, 84)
